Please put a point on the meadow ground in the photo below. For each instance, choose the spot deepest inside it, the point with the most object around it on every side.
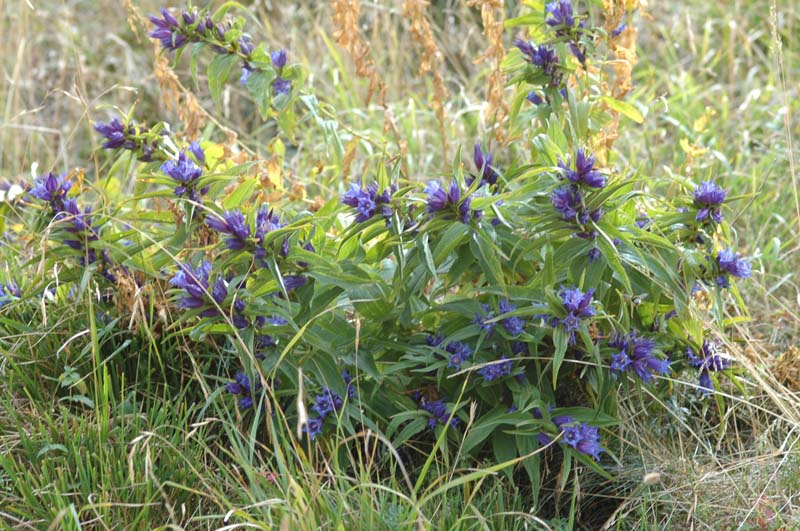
(719, 85)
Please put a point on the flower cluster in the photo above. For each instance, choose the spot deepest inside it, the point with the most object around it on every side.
(130, 136)
(175, 33)
(368, 201)
(483, 162)
(241, 386)
(578, 305)
(186, 172)
(497, 369)
(450, 201)
(9, 292)
(636, 353)
(711, 359)
(581, 436)
(198, 292)
(708, 199)
(728, 264)
(279, 84)
(483, 319)
(569, 202)
(458, 352)
(53, 190)
(437, 410)
(544, 57)
(559, 16)
(327, 402)
(513, 325)
(583, 172)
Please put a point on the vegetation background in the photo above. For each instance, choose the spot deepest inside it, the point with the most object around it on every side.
(719, 83)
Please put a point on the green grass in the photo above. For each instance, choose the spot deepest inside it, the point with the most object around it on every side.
(90, 439)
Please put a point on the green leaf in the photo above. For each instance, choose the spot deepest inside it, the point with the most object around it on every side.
(219, 70)
(624, 107)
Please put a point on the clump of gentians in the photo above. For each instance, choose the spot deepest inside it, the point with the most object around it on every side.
(234, 224)
(325, 403)
(241, 386)
(729, 264)
(582, 171)
(368, 201)
(52, 190)
(437, 410)
(280, 85)
(711, 359)
(458, 352)
(708, 199)
(578, 306)
(497, 369)
(128, 136)
(560, 17)
(544, 57)
(483, 319)
(483, 162)
(186, 172)
(451, 201)
(197, 291)
(569, 202)
(581, 436)
(636, 353)
(513, 325)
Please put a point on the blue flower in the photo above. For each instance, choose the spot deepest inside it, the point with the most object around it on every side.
(483, 162)
(542, 56)
(52, 189)
(729, 264)
(708, 198)
(450, 201)
(458, 352)
(168, 31)
(278, 58)
(619, 29)
(594, 254)
(583, 437)
(281, 85)
(199, 154)
(534, 98)
(233, 224)
(241, 386)
(438, 411)
(327, 402)
(9, 292)
(513, 325)
(578, 306)
(584, 172)
(194, 282)
(185, 172)
(245, 45)
(348, 380)
(497, 369)
(367, 201)
(117, 134)
(559, 14)
(482, 317)
(313, 428)
(636, 353)
(711, 359)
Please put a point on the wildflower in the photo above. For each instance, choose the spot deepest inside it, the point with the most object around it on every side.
(584, 172)
(327, 402)
(619, 29)
(578, 306)
(543, 56)
(584, 438)
(117, 134)
(245, 45)
(278, 59)
(497, 369)
(438, 411)
(559, 14)
(348, 380)
(246, 71)
(52, 189)
(711, 359)
(594, 254)
(241, 387)
(281, 85)
(313, 428)
(199, 154)
(292, 282)
(459, 352)
(513, 325)
(729, 264)
(451, 200)
(194, 282)
(233, 224)
(168, 31)
(185, 172)
(367, 201)
(482, 317)
(9, 292)
(636, 352)
(483, 162)
(708, 198)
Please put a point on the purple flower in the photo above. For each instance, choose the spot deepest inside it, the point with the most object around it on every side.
(482, 317)
(451, 201)
(116, 134)
(232, 223)
(292, 282)
(483, 162)
(594, 254)
(281, 85)
(52, 189)
(619, 29)
(636, 353)
(278, 59)
(367, 201)
(513, 325)
(438, 411)
(194, 282)
(185, 172)
(246, 71)
(313, 428)
(708, 198)
(199, 154)
(583, 437)
(711, 358)
(327, 402)
(584, 172)
(578, 306)
(241, 386)
(497, 369)
(729, 263)
(246, 45)
(559, 14)
(542, 56)
(348, 380)
(9, 292)
(458, 352)
(168, 31)
(534, 98)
